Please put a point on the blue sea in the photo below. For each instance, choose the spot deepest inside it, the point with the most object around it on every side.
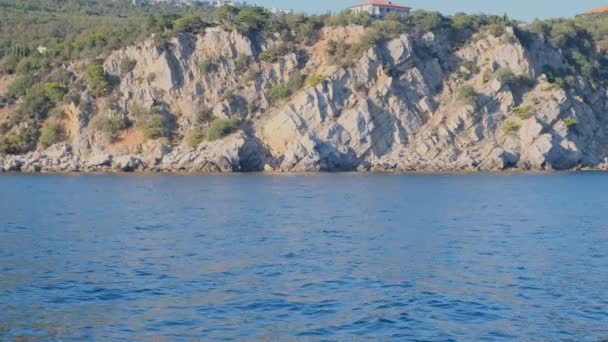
(327, 257)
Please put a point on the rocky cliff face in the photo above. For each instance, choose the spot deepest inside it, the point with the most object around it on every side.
(408, 104)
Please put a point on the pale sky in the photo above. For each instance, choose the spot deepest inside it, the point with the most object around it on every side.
(517, 9)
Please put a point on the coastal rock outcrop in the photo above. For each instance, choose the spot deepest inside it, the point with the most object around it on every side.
(406, 104)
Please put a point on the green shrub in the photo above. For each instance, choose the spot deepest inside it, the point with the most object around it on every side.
(229, 97)
(583, 65)
(97, 80)
(314, 80)
(268, 57)
(522, 112)
(468, 95)
(506, 77)
(280, 91)
(254, 18)
(570, 122)
(20, 86)
(511, 128)
(241, 63)
(195, 136)
(388, 70)
(205, 114)
(220, 128)
(112, 127)
(345, 55)
(54, 91)
(539, 27)
(18, 142)
(29, 65)
(190, 24)
(51, 133)
(560, 77)
(346, 18)
(205, 66)
(286, 89)
(226, 15)
(8, 64)
(35, 103)
(127, 65)
(155, 126)
(562, 33)
(497, 29)
(57, 113)
(471, 67)
(427, 21)
(272, 54)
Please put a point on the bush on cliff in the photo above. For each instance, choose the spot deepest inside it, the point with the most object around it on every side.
(220, 128)
(155, 126)
(20, 86)
(195, 136)
(97, 80)
(511, 128)
(286, 89)
(468, 95)
(35, 103)
(19, 142)
(112, 127)
(51, 133)
(506, 77)
(522, 112)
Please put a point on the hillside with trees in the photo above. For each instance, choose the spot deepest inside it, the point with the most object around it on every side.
(186, 76)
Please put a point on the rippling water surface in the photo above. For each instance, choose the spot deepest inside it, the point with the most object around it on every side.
(340, 257)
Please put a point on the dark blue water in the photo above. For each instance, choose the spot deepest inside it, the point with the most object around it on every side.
(304, 258)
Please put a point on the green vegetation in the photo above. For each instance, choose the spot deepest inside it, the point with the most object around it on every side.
(51, 133)
(8, 64)
(57, 113)
(35, 104)
(506, 77)
(20, 141)
(205, 67)
(20, 86)
(154, 125)
(284, 90)
(97, 80)
(112, 127)
(570, 122)
(220, 128)
(522, 112)
(241, 63)
(190, 24)
(314, 80)
(195, 137)
(127, 65)
(511, 128)
(54, 91)
(468, 95)
(272, 54)
(204, 115)
(344, 55)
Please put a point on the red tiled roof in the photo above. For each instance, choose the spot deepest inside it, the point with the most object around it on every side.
(382, 3)
(598, 10)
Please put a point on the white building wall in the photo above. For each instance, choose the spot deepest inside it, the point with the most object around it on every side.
(377, 11)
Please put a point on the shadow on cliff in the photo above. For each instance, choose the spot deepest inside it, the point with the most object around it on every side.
(253, 155)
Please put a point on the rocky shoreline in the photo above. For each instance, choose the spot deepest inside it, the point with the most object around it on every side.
(60, 159)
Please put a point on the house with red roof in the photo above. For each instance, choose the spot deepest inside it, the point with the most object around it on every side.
(380, 8)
